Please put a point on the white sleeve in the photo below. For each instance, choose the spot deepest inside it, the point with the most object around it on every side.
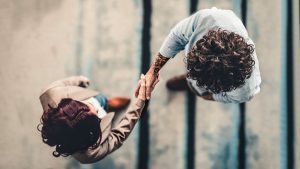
(179, 36)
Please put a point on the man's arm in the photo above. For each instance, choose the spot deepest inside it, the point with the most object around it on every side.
(175, 42)
(159, 62)
(70, 87)
(180, 35)
(153, 74)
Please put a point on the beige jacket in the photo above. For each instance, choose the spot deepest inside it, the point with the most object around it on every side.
(114, 132)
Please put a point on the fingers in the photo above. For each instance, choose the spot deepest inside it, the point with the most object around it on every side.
(82, 80)
(84, 84)
(142, 91)
(149, 85)
(136, 93)
(148, 90)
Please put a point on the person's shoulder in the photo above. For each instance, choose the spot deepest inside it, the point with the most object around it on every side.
(214, 10)
(215, 14)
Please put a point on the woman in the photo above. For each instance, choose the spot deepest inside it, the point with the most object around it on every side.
(73, 125)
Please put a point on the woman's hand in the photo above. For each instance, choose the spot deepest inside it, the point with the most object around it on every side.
(151, 80)
(142, 92)
(142, 89)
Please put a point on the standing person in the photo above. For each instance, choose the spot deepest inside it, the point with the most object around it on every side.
(76, 122)
(220, 57)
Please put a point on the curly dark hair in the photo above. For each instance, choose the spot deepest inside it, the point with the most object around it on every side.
(70, 127)
(221, 61)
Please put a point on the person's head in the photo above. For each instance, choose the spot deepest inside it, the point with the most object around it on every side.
(221, 61)
(70, 127)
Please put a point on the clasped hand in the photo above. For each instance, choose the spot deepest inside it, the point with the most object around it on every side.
(146, 85)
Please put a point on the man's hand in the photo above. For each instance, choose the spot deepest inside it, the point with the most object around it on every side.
(152, 76)
(151, 80)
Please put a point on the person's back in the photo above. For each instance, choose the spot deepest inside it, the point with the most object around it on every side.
(70, 127)
(220, 57)
(213, 19)
(74, 121)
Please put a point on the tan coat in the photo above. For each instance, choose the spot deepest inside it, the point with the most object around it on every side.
(113, 136)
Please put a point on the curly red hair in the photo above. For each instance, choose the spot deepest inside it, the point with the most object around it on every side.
(70, 127)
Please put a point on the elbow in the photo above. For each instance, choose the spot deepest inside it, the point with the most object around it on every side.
(249, 98)
(244, 99)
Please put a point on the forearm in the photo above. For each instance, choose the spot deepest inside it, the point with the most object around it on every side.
(125, 126)
(158, 63)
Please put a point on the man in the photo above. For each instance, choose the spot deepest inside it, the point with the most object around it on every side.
(220, 57)
(76, 122)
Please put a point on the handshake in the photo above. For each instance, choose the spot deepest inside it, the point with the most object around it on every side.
(146, 85)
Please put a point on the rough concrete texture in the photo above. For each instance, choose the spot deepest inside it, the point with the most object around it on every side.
(37, 42)
(42, 41)
(108, 53)
(47, 40)
(263, 112)
(167, 111)
(296, 15)
(217, 123)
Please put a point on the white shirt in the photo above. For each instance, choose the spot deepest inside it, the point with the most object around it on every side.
(188, 31)
(100, 110)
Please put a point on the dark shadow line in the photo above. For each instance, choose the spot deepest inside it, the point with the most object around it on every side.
(193, 6)
(244, 7)
(242, 108)
(190, 114)
(191, 128)
(290, 86)
(143, 144)
(242, 137)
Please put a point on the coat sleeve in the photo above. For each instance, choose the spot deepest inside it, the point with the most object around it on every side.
(81, 81)
(53, 93)
(117, 136)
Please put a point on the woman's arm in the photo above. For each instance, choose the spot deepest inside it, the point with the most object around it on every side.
(81, 81)
(70, 87)
(117, 136)
(120, 133)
